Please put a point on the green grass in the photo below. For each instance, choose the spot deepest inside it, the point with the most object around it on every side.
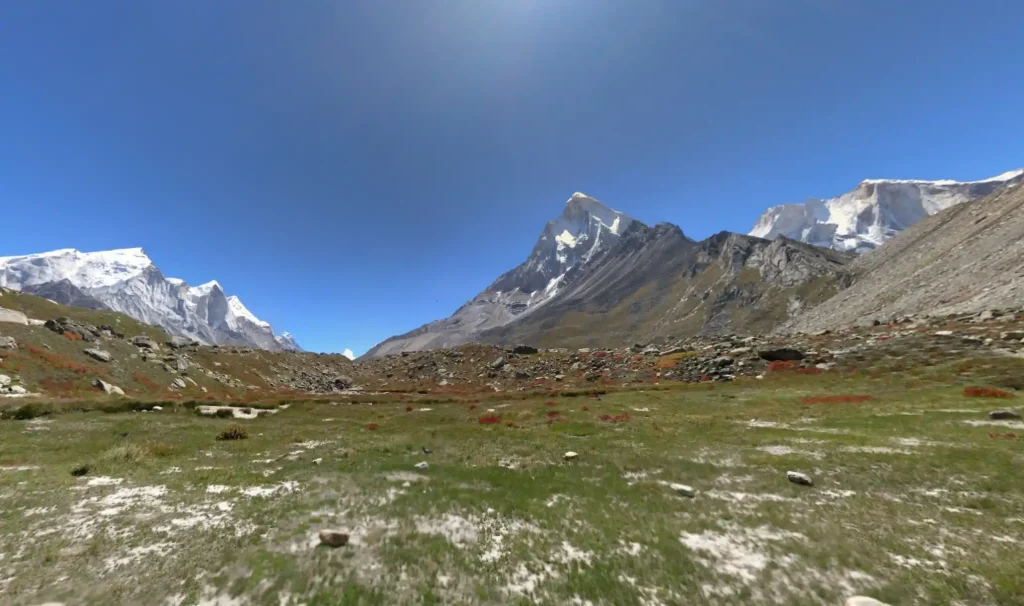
(910, 504)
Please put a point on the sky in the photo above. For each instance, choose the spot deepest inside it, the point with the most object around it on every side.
(352, 170)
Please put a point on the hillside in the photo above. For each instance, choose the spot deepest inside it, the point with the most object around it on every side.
(966, 259)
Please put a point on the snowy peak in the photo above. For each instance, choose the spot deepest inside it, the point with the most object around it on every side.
(240, 311)
(84, 270)
(126, 280)
(874, 212)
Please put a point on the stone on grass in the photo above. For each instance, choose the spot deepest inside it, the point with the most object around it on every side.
(318, 460)
(12, 317)
(422, 465)
(108, 388)
(999, 415)
(799, 478)
(98, 354)
(569, 456)
(178, 383)
(17, 390)
(4, 380)
(333, 537)
(683, 489)
(145, 343)
(524, 349)
(8, 343)
(859, 600)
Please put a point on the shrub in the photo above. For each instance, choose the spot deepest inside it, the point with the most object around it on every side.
(552, 413)
(472, 407)
(72, 336)
(30, 411)
(225, 413)
(1002, 436)
(812, 370)
(986, 392)
(836, 399)
(622, 418)
(161, 450)
(584, 408)
(233, 431)
(408, 409)
(550, 403)
(372, 426)
(489, 419)
(125, 453)
(80, 471)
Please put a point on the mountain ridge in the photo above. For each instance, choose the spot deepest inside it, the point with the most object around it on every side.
(127, 280)
(873, 212)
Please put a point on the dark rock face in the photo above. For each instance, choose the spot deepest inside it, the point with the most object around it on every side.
(780, 355)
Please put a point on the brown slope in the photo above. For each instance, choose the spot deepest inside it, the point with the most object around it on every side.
(964, 259)
(665, 285)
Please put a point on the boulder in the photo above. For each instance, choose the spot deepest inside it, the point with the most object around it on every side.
(17, 390)
(783, 354)
(571, 456)
(799, 478)
(422, 466)
(524, 349)
(98, 354)
(4, 380)
(181, 364)
(497, 364)
(145, 343)
(8, 343)
(11, 316)
(341, 382)
(684, 490)
(108, 388)
(180, 342)
(178, 383)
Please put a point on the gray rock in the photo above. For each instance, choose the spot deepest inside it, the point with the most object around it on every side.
(799, 478)
(4, 380)
(524, 349)
(107, 387)
(571, 456)
(1012, 336)
(181, 364)
(422, 465)
(341, 382)
(1003, 414)
(497, 364)
(683, 489)
(522, 374)
(11, 316)
(178, 383)
(99, 354)
(179, 342)
(334, 537)
(8, 343)
(859, 600)
(17, 390)
(145, 343)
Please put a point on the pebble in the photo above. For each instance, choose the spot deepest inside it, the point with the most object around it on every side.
(334, 538)
(799, 478)
(422, 465)
(1003, 414)
(683, 489)
(569, 456)
(859, 600)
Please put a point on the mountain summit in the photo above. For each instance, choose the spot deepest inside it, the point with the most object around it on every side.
(127, 280)
(872, 213)
(598, 277)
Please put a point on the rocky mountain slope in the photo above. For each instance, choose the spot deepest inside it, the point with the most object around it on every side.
(597, 277)
(872, 213)
(128, 281)
(965, 259)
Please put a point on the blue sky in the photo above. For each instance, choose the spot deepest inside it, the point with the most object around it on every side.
(352, 170)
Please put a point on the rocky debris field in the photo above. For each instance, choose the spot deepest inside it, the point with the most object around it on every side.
(67, 357)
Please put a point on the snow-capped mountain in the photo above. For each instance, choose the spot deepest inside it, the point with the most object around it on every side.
(584, 232)
(872, 213)
(127, 281)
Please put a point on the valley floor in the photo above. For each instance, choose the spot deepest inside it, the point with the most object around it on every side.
(918, 498)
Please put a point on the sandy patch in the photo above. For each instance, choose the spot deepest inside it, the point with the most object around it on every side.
(103, 481)
(876, 450)
(524, 581)
(269, 491)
